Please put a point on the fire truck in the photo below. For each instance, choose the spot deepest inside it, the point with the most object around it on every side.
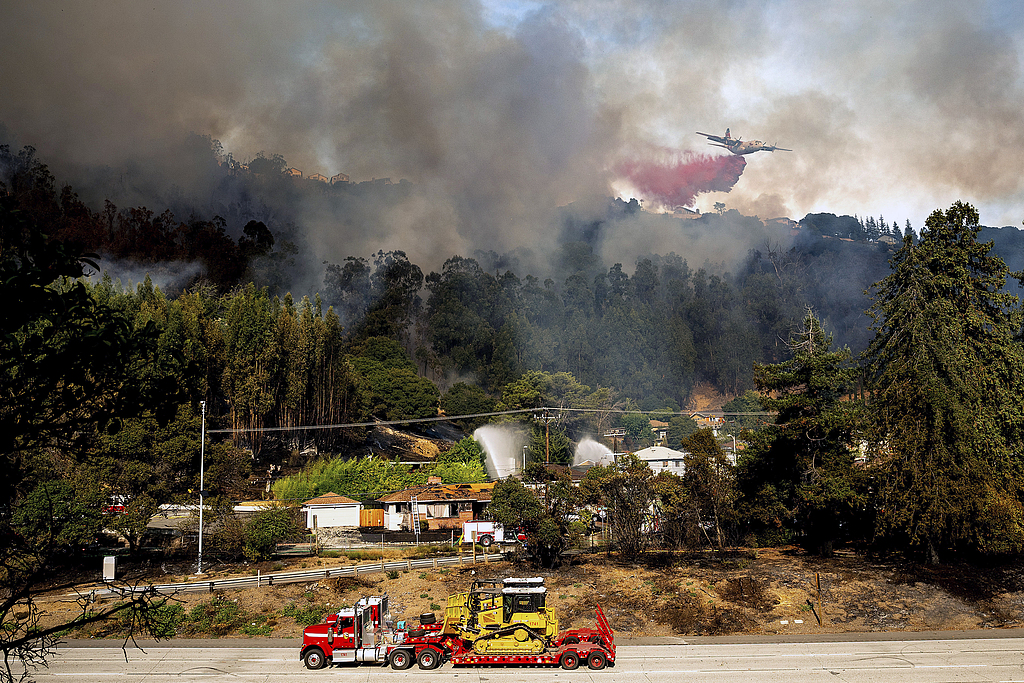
(488, 625)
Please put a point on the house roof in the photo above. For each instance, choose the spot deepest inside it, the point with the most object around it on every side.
(659, 453)
(331, 498)
(441, 492)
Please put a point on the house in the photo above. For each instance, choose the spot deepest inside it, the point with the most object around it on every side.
(661, 459)
(318, 177)
(440, 506)
(293, 173)
(331, 510)
(708, 421)
(339, 178)
(659, 430)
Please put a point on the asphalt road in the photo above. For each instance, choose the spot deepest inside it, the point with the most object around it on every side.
(862, 658)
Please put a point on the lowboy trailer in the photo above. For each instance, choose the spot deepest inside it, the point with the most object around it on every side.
(365, 633)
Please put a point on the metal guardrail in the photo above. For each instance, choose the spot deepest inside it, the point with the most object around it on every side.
(291, 577)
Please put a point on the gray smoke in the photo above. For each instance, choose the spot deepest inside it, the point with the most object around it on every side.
(499, 113)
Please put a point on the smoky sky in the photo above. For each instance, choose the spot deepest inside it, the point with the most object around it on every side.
(501, 112)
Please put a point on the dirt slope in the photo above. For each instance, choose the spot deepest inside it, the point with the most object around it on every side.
(744, 591)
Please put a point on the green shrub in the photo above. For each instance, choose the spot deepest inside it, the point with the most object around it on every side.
(266, 529)
(258, 626)
(305, 616)
(771, 538)
(218, 617)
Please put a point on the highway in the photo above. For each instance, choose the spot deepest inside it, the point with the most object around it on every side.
(980, 656)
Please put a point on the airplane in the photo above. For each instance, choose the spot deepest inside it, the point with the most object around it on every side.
(738, 147)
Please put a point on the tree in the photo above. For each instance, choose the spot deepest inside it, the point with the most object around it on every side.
(710, 484)
(548, 525)
(627, 492)
(947, 379)
(69, 365)
(638, 429)
(798, 476)
(747, 402)
(348, 287)
(679, 427)
(266, 529)
(467, 399)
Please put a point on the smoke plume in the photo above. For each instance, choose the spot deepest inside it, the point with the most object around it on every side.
(500, 113)
(679, 180)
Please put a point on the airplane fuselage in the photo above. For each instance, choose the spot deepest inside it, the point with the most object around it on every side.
(739, 147)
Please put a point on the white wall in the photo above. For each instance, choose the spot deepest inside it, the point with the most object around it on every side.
(330, 516)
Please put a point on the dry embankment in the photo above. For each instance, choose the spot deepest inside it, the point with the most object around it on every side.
(746, 591)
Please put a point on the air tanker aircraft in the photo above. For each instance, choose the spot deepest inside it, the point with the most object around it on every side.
(738, 147)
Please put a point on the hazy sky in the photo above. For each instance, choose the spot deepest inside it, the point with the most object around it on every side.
(892, 108)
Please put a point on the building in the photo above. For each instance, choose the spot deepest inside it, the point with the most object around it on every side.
(340, 178)
(331, 510)
(659, 431)
(317, 176)
(440, 506)
(708, 421)
(293, 173)
(661, 459)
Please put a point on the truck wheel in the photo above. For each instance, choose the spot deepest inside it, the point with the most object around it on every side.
(401, 659)
(428, 659)
(486, 541)
(314, 658)
(596, 660)
(569, 661)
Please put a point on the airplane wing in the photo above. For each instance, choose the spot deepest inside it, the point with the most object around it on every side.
(712, 137)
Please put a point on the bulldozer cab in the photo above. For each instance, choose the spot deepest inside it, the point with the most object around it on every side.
(522, 603)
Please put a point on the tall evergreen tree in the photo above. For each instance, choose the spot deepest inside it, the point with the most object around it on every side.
(798, 475)
(947, 376)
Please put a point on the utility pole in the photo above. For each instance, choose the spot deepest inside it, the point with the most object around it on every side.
(615, 435)
(547, 417)
(202, 482)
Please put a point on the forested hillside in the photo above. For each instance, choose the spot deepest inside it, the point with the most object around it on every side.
(912, 447)
(649, 330)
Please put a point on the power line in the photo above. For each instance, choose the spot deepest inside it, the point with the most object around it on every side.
(451, 418)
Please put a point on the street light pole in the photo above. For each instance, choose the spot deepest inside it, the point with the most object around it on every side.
(202, 482)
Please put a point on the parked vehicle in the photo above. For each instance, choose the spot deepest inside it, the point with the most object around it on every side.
(487, 533)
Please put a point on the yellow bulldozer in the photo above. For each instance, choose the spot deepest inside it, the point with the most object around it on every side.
(512, 618)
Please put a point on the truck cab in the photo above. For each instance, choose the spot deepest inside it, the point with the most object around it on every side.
(356, 634)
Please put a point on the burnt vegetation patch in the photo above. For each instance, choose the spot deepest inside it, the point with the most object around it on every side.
(690, 614)
(748, 591)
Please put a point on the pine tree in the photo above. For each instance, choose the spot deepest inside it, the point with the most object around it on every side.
(946, 374)
(798, 477)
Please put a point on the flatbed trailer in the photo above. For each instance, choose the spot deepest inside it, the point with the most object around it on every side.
(596, 653)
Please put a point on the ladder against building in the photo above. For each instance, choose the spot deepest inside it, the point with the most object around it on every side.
(415, 517)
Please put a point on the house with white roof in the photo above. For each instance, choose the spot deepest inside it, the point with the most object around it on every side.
(662, 459)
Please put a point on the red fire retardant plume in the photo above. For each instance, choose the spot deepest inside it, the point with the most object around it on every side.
(687, 174)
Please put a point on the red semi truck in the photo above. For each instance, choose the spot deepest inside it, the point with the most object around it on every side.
(365, 633)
